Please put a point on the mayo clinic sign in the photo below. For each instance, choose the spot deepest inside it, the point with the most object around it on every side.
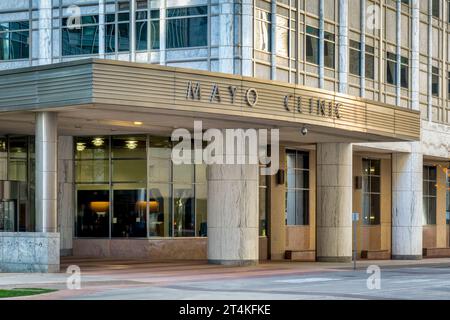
(290, 102)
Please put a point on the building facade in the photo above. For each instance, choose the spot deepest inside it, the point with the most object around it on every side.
(91, 91)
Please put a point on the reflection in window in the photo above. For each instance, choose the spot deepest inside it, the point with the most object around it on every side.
(93, 207)
(187, 27)
(14, 40)
(328, 50)
(297, 188)
(429, 195)
(282, 36)
(371, 176)
(391, 68)
(312, 45)
(154, 29)
(80, 39)
(355, 58)
(148, 194)
(370, 62)
(263, 34)
(435, 81)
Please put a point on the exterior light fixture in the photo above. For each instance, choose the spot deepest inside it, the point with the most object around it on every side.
(131, 144)
(98, 142)
(137, 123)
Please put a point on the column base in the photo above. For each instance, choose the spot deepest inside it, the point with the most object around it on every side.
(406, 257)
(238, 263)
(334, 259)
(29, 252)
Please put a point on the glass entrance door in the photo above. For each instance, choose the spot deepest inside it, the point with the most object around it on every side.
(8, 216)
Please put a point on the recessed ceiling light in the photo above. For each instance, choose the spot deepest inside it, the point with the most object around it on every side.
(137, 123)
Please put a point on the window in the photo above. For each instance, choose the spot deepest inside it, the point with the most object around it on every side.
(263, 34)
(404, 72)
(429, 195)
(435, 81)
(14, 40)
(328, 50)
(448, 196)
(141, 28)
(448, 85)
(297, 188)
(355, 58)
(92, 186)
(435, 8)
(127, 186)
(129, 177)
(391, 68)
(370, 62)
(154, 29)
(371, 176)
(187, 27)
(80, 39)
(312, 45)
(282, 36)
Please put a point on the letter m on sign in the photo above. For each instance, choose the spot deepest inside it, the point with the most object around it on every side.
(193, 91)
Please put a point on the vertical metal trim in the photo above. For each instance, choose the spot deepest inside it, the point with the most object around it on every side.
(362, 82)
(398, 51)
(321, 44)
(430, 61)
(273, 30)
(133, 30)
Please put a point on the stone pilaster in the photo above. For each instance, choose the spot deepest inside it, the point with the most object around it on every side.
(66, 202)
(334, 202)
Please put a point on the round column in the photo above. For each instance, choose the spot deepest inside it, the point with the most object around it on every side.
(46, 171)
(334, 202)
(233, 231)
(407, 193)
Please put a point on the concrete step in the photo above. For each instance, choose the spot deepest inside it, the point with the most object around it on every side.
(304, 256)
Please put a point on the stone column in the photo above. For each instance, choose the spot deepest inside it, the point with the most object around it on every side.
(46, 172)
(65, 193)
(226, 43)
(407, 171)
(334, 202)
(45, 32)
(233, 233)
(343, 46)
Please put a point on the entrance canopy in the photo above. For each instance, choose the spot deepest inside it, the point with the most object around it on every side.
(96, 96)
